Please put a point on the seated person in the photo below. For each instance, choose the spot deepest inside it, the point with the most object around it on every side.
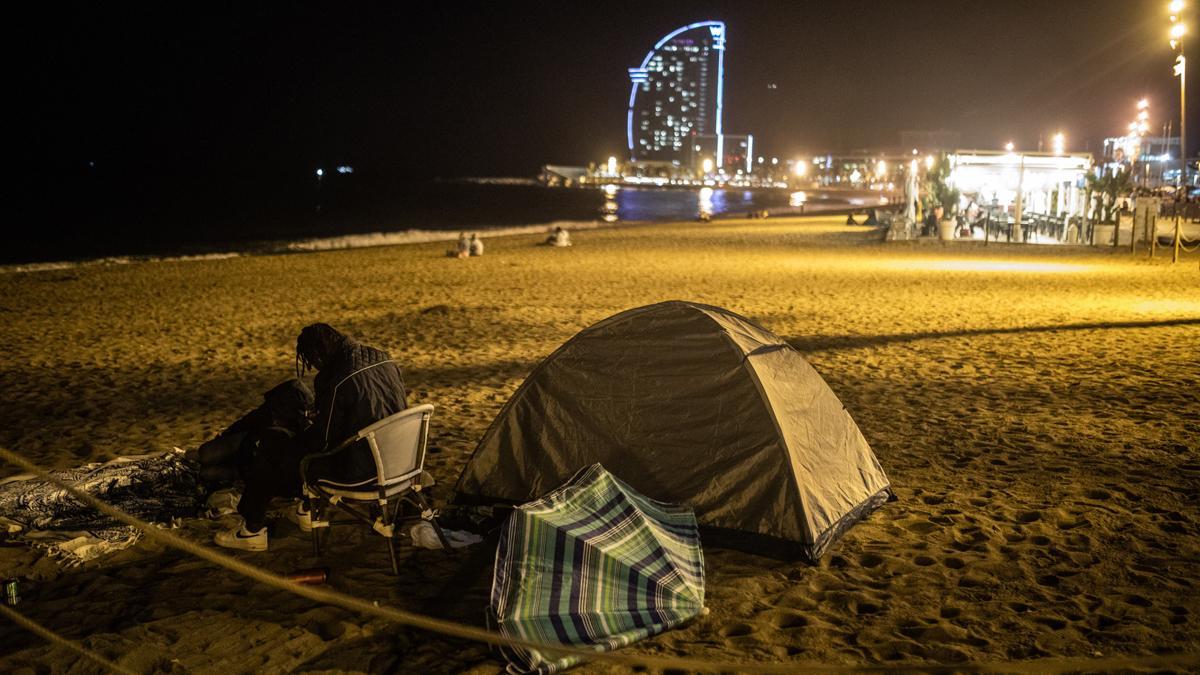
(285, 409)
(476, 245)
(559, 237)
(462, 249)
(355, 385)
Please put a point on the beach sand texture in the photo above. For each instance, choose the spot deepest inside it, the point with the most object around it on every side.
(1036, 408)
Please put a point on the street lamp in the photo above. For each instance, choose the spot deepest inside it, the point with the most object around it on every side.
(1178, 30)
(800, 167)
(1008, 147)
(707, 165)
(1134, 140)
(1060, 143)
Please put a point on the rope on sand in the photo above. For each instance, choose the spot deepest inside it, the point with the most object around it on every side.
(457, 630)
(50, 636)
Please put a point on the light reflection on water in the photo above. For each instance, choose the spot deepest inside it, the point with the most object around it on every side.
(707, 202)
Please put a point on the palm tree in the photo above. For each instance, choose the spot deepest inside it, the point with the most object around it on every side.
(1108, 189)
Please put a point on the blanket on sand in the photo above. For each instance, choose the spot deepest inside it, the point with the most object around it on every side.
(157, 487)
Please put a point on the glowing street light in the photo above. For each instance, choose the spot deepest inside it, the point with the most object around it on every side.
(1008, 147)
(1060, 143)
(707, 165)
(1178, 30)
(800, 167)
(881, 168)
(928, 162)
(612, 166)
(1143, 104)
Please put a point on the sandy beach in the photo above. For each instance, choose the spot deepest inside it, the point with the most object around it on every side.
(1037, 410)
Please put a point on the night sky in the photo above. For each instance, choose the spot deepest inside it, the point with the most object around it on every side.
(192, 96)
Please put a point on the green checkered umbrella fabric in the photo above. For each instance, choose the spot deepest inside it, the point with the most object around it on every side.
(594, 564)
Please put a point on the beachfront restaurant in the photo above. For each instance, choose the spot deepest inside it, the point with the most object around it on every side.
(1033, 197)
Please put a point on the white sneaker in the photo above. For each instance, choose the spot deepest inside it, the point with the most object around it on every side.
(241, 538)
(301, 517)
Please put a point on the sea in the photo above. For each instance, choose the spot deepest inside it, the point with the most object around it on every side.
(340, 212)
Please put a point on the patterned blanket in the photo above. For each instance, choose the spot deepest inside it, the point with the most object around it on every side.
(158, 488)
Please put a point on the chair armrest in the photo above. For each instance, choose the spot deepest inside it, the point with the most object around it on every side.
(308, 458)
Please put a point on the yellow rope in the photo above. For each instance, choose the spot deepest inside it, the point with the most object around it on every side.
(50, 636)
(452, 629)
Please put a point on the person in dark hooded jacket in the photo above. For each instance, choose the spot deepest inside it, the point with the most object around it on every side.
(355, 386)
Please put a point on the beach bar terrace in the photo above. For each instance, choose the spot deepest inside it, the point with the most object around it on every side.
(1033, 197)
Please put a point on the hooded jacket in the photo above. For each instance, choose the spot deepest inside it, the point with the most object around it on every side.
(357, 386)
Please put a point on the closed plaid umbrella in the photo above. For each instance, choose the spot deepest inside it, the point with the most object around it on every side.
(594, 564)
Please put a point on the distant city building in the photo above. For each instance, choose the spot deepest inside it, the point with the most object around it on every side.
(677, 96)
(558, 175)
(1156, 158)
(1141, 148)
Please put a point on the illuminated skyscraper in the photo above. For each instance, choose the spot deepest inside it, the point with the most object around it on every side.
(677, 95)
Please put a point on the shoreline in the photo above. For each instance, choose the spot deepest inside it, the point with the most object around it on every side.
(42, 257)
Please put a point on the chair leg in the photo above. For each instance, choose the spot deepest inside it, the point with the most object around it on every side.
(386, 515)
(315, 512)
(426, 508)
(392, 554)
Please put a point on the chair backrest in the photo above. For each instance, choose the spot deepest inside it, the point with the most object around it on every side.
(398, 443)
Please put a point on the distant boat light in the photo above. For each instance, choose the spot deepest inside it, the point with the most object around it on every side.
(345, 168)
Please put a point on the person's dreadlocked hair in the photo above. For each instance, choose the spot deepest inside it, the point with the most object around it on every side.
(314, 347)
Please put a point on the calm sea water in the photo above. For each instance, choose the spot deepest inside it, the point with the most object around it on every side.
(95, 220)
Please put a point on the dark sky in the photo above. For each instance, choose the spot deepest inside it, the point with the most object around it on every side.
(451, 89)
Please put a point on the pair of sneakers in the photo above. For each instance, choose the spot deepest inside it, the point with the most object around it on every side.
(248, 540)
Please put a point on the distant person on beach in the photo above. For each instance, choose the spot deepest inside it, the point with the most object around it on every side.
(931, 221)
(972, 212)
(476, 245)
(463, 249)
(559, 237)
(850, 219)
(355, 385)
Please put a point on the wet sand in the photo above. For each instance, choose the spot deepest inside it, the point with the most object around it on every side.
(1036, 408)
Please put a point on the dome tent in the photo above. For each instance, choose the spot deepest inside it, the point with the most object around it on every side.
(688, 404)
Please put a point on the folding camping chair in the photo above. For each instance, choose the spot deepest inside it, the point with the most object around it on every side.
(398, 445)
